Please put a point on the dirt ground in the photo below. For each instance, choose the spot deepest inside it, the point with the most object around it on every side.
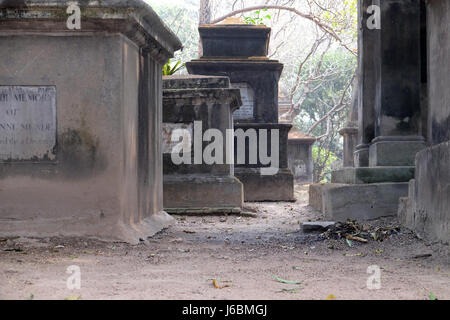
(248, 256)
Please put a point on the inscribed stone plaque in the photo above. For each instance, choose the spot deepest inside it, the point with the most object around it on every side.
(167, 133)
(27, 123)
(245, 112)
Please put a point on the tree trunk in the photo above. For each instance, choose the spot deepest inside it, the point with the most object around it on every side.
(204, 18)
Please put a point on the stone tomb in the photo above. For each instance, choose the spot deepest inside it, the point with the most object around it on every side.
(390, 117)
(300, 159)
(80, 120)
(240, 51)
(197, 104)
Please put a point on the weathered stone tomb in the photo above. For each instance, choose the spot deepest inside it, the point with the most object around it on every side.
(300, 160)
(390, 116)
(202, 182)
(239, 52)
(80, 119)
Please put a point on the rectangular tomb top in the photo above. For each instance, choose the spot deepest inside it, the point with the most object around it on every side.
(181, 82)
(235, 40)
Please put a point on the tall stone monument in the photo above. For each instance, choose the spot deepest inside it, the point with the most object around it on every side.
(426, 210)
(390, 116)
(240, 51)
(202, 107)
(80, 119)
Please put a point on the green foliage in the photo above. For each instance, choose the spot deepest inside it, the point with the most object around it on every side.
(318, 96)
(339, 67)
(258, 17)
(182, 19)
(171, 68)
(325, 159)
(432, 296)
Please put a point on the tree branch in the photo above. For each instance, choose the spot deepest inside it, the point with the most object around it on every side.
(333, 109)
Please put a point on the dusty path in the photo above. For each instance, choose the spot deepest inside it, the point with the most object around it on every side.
(242, 253)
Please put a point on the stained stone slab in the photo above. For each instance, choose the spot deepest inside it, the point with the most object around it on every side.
(27, 123)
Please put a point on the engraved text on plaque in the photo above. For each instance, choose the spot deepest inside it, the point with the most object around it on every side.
(27, 123)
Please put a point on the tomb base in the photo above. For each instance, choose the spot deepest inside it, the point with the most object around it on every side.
(202, 194)
(257, 187)
(426, 208)
(361, 156)
(340, 202)
(395, 151)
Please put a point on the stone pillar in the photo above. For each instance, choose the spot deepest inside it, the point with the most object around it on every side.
(366, 84)
(397, 102)
(350, 131)
(350, 139)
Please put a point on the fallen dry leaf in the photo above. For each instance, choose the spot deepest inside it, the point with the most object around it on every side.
(359, 239)
(218, 286)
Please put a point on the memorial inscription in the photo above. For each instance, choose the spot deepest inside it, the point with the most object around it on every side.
(245, 112)
(27, 123)
(168, 132)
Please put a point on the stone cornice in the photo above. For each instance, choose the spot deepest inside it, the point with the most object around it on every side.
(133, 18)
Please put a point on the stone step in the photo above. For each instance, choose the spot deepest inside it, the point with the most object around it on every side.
(372, 175)
(340, 202)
